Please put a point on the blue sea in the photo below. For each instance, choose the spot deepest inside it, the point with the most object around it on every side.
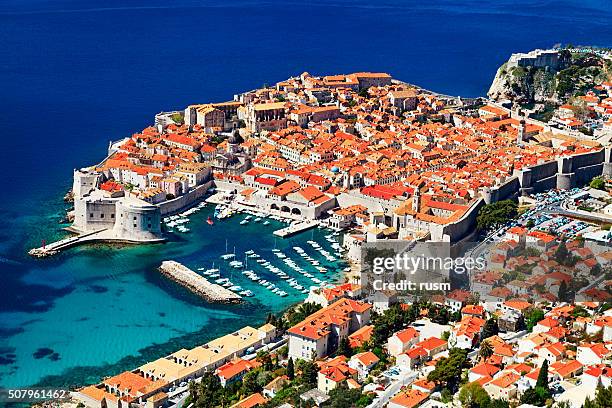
(76, 74)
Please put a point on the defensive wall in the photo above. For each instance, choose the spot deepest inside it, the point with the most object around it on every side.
(185, 201)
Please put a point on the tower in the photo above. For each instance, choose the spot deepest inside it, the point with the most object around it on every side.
(416, 200)
(232, 142)
(520, 138)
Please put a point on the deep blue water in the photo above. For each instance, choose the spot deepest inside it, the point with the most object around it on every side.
(76, 74)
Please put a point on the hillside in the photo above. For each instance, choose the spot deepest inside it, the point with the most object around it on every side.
(553, 84)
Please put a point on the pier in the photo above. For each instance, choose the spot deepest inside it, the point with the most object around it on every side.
(295, 228)
(101, 235)
(198, 284)
(54, 247)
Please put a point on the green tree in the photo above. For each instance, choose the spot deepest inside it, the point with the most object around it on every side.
(496, 214)
(542, 380)
(563, 293)
(448, 369)
(580, 311)
(497, 403)
(561, 253)
(532, 316)
(363, 92)
(250, 384)
(309, 372)
(300, 312)
(602, 399)
(486, 350)
(598, 183)
(290, 369)
(344, 348)
(209, 392)
(385, 324)
(342, 397)
(490, 328)
(472, 395)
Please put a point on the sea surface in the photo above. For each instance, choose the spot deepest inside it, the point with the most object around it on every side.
(76, 74)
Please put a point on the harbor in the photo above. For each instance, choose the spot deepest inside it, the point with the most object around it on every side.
(197, 284)
(295, 228)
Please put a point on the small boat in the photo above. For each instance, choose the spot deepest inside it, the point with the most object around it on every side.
(244, 222)
(246, 293)
(257, 219)
(210, 221)
(235, 288)
(266, 222)
(221, 281)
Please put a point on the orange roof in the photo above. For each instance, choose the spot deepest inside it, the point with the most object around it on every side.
(360, 336)
(407, 334)
(473, 309)
(317, 324)
(236, 367)
(367, 358)
(506, 380)
(252, 400)
(549, 322)
(409, 398)
(565, 368)
(431, 343)
(337, 369)
(517, 304)
(423, 383)
(128, 382)
(95, 393)
(485, 369)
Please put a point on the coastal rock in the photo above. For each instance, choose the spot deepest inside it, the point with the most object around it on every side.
(538, 78)
(69, 197)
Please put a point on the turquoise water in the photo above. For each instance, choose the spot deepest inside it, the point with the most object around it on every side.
(79, 73)
(109, 309)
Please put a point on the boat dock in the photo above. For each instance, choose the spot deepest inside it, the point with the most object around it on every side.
(198, 284)
(54, 247)
(295, 228)
(92, 237)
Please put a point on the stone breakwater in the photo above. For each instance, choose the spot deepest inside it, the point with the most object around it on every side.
(199, 285)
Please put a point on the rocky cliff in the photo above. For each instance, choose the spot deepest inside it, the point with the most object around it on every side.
(572, 75)
(530, 84)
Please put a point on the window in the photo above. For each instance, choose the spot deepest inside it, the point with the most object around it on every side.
(102, 215)
(112, 215)
(90, 215)
(134, 225)
(134, 218)
(149, 226)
